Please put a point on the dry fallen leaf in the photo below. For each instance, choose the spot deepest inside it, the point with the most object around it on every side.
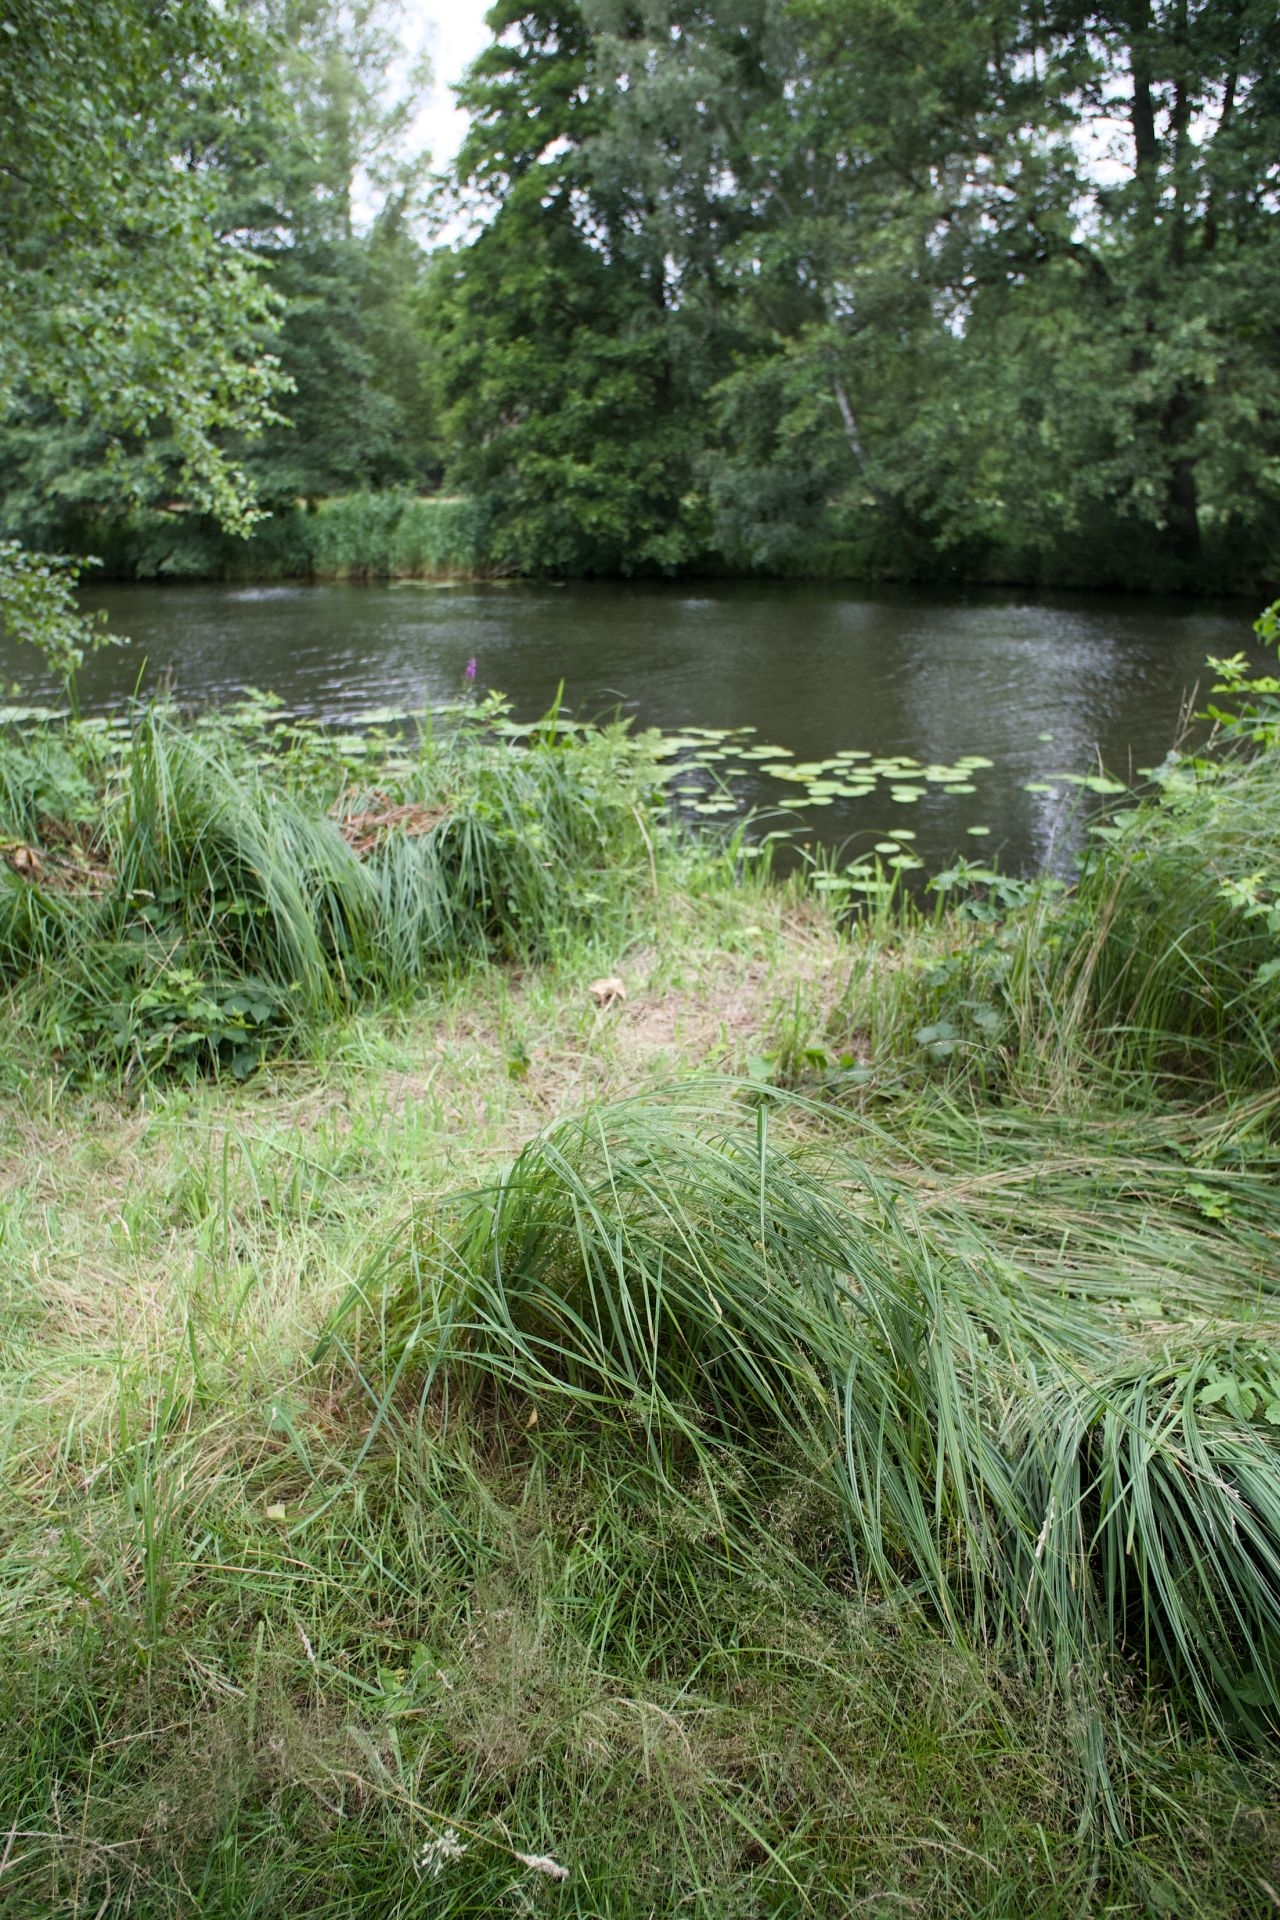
(607, 991)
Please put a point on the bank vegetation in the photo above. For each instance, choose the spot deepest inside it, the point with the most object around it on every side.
(548, 1368)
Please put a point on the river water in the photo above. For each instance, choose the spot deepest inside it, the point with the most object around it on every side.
(1039, 685)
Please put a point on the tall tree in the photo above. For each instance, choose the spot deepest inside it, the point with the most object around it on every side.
(577, 336)
(119, 300)
(281, 150)
(1017, 295)
(334, 124)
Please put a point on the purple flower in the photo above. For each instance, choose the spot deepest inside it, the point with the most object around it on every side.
(470, 673)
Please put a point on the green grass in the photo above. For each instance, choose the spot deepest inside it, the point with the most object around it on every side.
(187, 897)
(360, 536)
(1155, 977)
(1052, 1473)
(763, 1461)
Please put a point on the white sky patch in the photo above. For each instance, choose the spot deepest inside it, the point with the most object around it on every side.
(452, 32)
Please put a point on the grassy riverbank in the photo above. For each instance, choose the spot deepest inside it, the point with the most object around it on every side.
(835, 1470)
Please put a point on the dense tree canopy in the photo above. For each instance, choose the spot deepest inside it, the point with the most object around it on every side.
(1038, 251)
(118, 303)
(117, 298)
(181, 265)
(990, 289)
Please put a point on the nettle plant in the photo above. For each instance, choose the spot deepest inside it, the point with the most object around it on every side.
(964, 992)
(1258, 719)
(1257, 897)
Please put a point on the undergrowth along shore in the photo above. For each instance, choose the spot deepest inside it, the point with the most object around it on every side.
(389, 535)
(191, 895)
(800, 1439)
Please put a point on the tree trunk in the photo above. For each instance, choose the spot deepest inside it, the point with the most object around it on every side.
(1182, 507)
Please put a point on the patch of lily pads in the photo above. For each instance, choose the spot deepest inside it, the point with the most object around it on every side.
(707, 769)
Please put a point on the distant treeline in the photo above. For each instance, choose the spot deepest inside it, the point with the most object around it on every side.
(869, 288)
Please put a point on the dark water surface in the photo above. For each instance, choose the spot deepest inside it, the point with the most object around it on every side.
(814, 668)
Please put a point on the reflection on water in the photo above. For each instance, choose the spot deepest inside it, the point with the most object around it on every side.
(1040, 685)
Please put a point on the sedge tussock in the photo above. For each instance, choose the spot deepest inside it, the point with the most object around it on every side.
(241, 899)
(1053, 1478)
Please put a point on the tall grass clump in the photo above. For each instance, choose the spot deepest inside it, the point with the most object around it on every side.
(1165, 958)
(190, 894)
(361, 536)
(1055, 1477)
(1154, 973)
(1170, 946)
(1158, 969)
